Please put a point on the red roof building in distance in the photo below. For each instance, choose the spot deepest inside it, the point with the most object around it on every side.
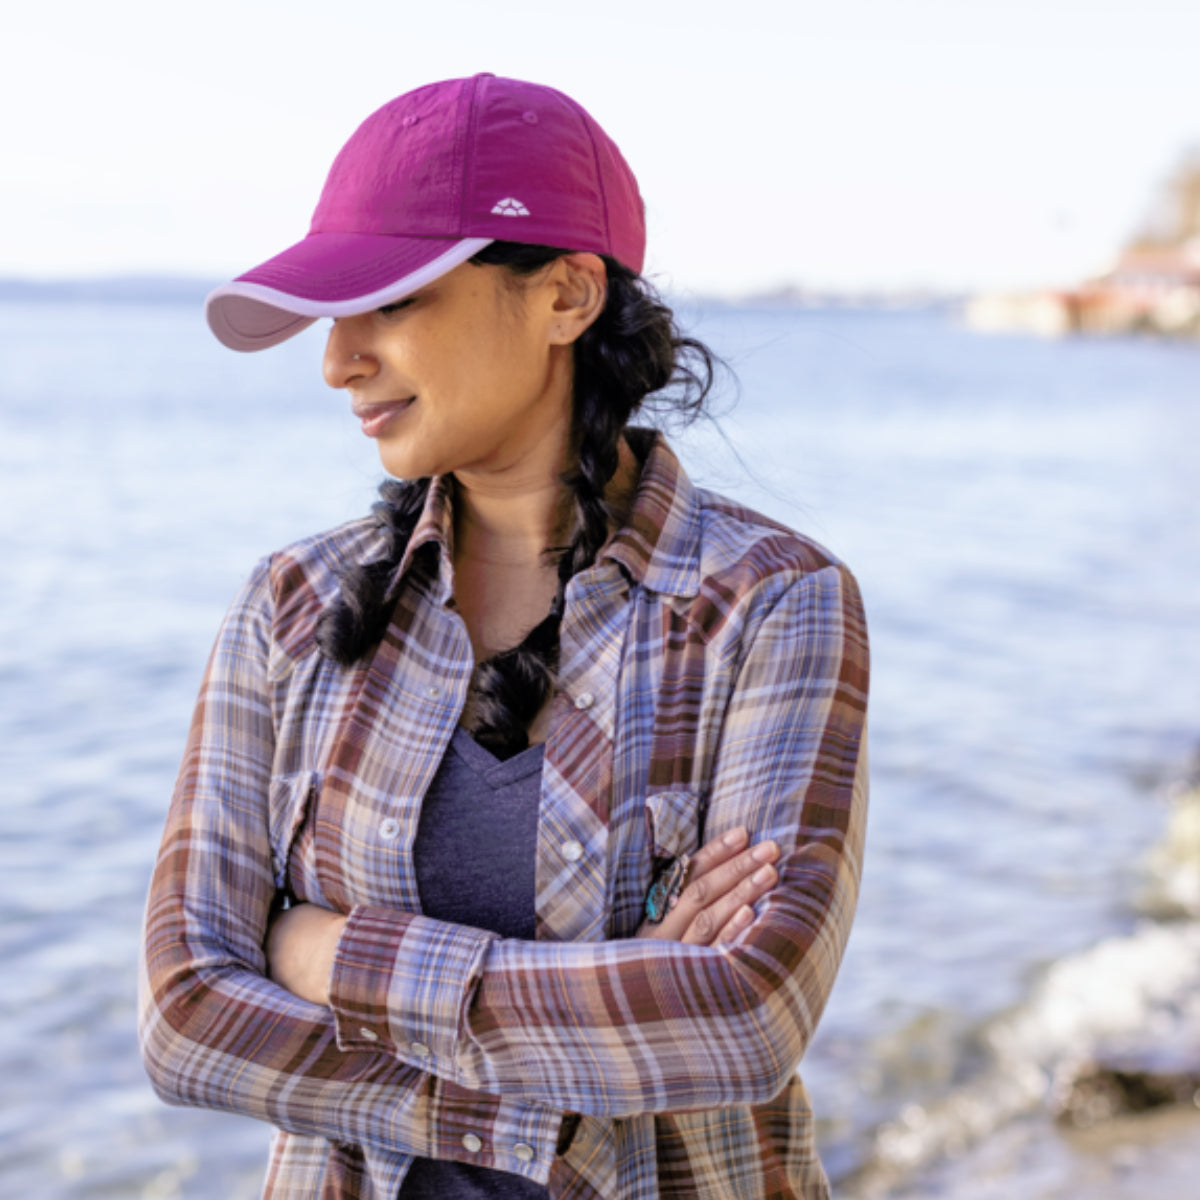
(1153, 287)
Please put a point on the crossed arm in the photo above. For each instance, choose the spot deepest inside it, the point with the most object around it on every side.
(719, 1015)
(726, 878)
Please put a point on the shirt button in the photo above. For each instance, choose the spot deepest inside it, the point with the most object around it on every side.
(472, 1143)
(368, 1035)
(524, 1151)
(584, 700)
(420, 1049)
(433, 691)
(572, 851)
(389, 829)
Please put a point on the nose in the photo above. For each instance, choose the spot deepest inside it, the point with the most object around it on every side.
(347, 353)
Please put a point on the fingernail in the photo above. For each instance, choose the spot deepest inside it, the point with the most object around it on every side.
(762, 875)
(764, 851)
(734, 837)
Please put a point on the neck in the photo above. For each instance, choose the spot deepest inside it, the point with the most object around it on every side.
(512, 519)
(510, 525)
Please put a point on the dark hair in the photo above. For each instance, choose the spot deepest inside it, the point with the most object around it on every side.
(633, 352)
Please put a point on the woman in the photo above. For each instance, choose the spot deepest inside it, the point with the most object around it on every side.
(518, 834)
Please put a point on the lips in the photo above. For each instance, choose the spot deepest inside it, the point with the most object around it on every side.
(375, 417)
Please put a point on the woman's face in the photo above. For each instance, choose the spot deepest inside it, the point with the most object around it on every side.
(469, 375)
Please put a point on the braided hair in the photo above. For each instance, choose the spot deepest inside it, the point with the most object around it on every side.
(632, 351)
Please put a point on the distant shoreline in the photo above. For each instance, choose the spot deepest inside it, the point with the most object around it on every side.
(170, 289)
(114, 289)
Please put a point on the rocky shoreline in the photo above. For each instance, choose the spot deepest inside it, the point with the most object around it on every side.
(1091, 1086)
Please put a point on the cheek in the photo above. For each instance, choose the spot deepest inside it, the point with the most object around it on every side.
(521, 353)
(498, 368)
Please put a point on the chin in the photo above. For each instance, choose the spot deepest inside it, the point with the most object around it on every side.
(402, 463)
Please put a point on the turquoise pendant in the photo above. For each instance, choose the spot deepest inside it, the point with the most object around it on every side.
(668, 883)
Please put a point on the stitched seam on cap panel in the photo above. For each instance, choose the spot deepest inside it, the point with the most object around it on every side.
(608, 238)
(468, 154)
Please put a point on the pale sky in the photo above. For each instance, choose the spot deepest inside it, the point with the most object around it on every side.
(851, 143)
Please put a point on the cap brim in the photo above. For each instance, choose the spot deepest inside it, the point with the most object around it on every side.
(328, 275)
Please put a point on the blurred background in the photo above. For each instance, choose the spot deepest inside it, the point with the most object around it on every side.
(951, 253)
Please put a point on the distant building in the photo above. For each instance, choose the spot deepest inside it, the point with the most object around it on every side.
(1153, 290)
(1154, 287)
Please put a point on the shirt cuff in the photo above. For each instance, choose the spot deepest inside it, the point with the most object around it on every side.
(490, 1131)
(401, 984)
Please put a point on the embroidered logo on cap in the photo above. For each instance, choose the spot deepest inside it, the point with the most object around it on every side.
(508, 207)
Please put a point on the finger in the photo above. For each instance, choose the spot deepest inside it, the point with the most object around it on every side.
(708, 926)
(711, 889)
(706, 889)
(723, 876)
(719, 850)
(749, 893)
(738, 923)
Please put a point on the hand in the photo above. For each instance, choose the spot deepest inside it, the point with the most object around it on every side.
(725, 879)
(301, 942)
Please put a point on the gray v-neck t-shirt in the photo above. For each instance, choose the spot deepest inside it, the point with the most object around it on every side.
(475, 856)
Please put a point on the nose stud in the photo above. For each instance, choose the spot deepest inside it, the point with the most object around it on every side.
(356, 357)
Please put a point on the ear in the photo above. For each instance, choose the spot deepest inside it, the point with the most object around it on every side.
(580, 290)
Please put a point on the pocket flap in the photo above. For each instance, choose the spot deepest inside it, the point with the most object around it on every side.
(673, 823)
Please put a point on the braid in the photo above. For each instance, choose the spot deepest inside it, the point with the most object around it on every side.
(631, 350)
(358, 617)
(511, 687)
(624, 361)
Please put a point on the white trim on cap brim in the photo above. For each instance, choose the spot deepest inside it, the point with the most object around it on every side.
(251, 316)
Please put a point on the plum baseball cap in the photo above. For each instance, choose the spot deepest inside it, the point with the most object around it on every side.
(426, 182)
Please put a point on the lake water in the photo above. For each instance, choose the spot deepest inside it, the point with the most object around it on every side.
(1022, 516)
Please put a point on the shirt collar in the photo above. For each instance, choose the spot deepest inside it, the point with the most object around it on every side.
(434, 525)
(658, 545)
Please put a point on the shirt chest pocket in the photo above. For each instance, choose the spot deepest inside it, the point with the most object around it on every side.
(293, 805)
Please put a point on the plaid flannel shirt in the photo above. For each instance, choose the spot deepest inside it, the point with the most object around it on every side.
(713, 673)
